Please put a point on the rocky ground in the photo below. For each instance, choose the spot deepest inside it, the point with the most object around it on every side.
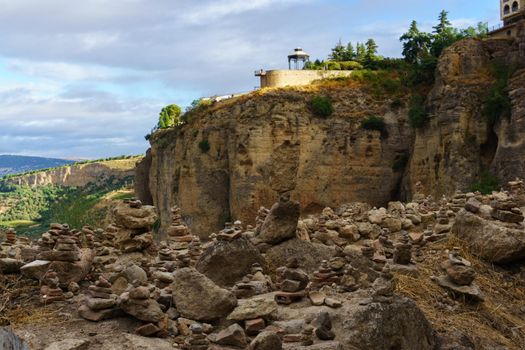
(420, 275)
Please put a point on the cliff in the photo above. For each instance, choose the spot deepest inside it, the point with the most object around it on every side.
(271, 142)
(459, 143)
(80, 175)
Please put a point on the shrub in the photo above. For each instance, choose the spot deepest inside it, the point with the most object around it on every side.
(321, 107)
(375, 123)
(396, 103)
(350, 65)
(417, 115)
(331, 65)
(497, 103)
(204, 145)
(487, 183)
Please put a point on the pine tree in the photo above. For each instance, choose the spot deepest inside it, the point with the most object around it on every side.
(444, 35)
(349, 52)
(360, 52)
(371, 50)
(444, 24)
(338, 52)
(415, 44)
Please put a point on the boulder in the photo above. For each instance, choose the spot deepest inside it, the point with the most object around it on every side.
(134, 273)
(226, 262)
(493, 241)
(141, 218)
(73, 272)
(198, 298)
(397, 324)
(232, 335)
(309, 255)
(9, 266)
(266, 341)
(129, 242)
(148, 310)
(281, 223)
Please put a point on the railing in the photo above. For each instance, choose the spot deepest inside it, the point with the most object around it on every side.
(496, 28)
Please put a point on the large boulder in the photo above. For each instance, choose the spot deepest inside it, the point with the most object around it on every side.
(226, 262)
(397, 324)
(141, 218)
(198, 298)
(493, 241)
(309, 255)
(281, 222)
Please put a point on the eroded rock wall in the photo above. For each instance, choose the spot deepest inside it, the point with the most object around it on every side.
(459, 143)
(270, 143)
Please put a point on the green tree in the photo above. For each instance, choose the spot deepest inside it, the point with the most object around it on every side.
(360, 55)
(371, 50)
(415, 44)
(338, 52)
(444, 35)
(169, 116)
(349, 54)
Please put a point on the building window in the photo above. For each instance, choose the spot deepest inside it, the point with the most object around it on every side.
(515, 6)
(509, 32)
(506, 9)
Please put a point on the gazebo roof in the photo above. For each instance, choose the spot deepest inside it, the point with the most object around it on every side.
(298, 53)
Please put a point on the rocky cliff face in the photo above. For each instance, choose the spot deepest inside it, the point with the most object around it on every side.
(270, 143)
(80, 175)
(459, 143)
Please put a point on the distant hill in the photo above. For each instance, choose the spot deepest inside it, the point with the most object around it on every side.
(11, 164)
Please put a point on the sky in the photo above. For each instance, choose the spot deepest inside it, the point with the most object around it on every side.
(87, 79)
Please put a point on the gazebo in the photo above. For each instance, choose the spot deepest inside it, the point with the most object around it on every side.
(298, 56)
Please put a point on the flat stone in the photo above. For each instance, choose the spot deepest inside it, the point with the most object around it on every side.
(36, 269)
(254, 327)
(253, 308)
(147, 330)
(99, 304)
(317, 298)
(472, 291)
(290, 286)
(333, 303)
(100, 315)
(69, 344)
(233, 335)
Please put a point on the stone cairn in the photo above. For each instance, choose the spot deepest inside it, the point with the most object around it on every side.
(505, 208)
(442, 226)
(459, 277)
(100, 304)
(178, 233)
(403, 251)
(329, 272)
(383, 247)
(10, 238)
(166, 258)
(292, 283)
(197, 340)
(458, 201)
(50, 290)
(254, 283)
(65, 247)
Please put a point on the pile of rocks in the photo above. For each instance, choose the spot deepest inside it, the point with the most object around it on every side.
(505, 208)
(50, 290)
(66, 247)
(179, 233)
(134, 223)
(100, 302)
(291, 282)
(459, 278)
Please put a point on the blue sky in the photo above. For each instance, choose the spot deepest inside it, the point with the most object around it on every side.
(88, 78)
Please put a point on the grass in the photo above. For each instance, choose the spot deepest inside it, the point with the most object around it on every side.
(494, 319)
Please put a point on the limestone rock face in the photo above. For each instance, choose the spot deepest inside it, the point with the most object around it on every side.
(196, 296)
(264, 145)
(238, 256)
(281, 223)
(493, 241)
(458, 143)
(399, 324)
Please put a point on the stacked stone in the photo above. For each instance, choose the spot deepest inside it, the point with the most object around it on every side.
(261, 216)
(89, 236)
(230, 232)
(459, 277)
(197, 340)
(178, 233)
(383, 247)
(100, 304)
(368, 251)
(166, 258)
(10, 238)
(65, 247)
(403, 251)
(442, 226)
(292, 282)
(328, 273)
(195, 250)
(50, 290)
(255, 283)
(506, 209)
(458, 201)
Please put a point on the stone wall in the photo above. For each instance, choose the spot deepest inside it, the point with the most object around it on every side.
(282, 78)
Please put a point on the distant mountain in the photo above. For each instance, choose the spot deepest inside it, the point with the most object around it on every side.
(11, 164)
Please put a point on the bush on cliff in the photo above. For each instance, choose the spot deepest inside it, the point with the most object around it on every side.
(169, 116)
(204, 145)
(486, 184)
(375, 123)
(497, 102)
(417, 115)
(321, 106)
